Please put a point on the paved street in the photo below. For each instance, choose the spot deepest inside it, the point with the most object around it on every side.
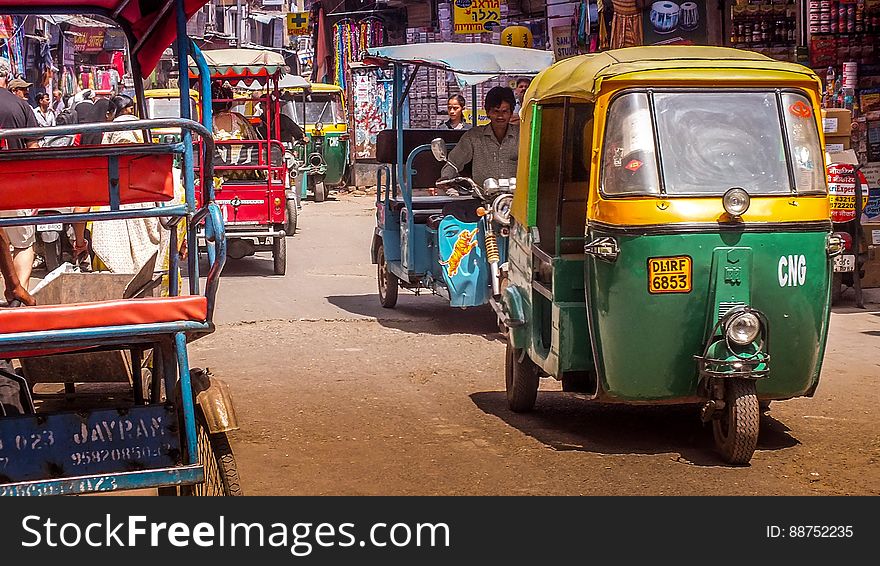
(336, 395)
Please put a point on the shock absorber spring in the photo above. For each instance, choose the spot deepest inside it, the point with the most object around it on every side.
(492, 248)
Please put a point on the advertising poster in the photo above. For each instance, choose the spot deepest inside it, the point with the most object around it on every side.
(476, 16)
(675, 22)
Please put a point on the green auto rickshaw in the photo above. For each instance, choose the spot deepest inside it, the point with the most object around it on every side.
(671, 218)
(320, 109)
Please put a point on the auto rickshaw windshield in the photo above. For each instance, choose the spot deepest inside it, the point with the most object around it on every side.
(710, 142)
(321, 108)
(166, 108)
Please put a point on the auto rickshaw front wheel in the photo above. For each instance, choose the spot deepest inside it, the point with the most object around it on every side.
(319, 190)
(279, 255)
(291, 219)
(736, 429)
(388, 283)
(521, 377)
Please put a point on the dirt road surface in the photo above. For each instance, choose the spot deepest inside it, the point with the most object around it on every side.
(338, 396)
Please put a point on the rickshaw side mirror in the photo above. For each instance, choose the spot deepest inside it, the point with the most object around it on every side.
(438, 148)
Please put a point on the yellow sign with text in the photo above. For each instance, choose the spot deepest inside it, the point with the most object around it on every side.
(298, 23)
(476, 16)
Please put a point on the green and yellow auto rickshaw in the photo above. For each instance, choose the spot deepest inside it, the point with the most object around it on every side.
(671, 218)
(320, 110)
(165, 103)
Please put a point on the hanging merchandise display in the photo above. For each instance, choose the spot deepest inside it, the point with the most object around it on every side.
(350, 40)
(12, 42)
(626, 25)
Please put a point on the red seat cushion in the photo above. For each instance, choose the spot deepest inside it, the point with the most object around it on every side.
(26, 183)
(104, 313)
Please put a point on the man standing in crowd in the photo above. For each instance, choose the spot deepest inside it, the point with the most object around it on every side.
(43, 112)
(19, 87)
(58, 101)
(522, 84)
(17, 113)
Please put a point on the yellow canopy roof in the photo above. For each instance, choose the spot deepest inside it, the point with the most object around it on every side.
(581, 77)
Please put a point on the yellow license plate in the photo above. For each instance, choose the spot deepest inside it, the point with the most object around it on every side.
(670, 274)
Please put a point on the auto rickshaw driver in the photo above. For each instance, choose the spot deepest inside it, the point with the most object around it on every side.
(491, 149)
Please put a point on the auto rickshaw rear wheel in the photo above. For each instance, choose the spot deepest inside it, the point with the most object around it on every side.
(389, 284)
(736, 429)
(521, 377)
(279, 255)
(292, 214)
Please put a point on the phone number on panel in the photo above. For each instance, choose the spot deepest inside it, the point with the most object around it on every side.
(809, 531)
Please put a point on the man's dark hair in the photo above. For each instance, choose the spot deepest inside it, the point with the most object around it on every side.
(497, 95)
(41, 96)
(526, 80)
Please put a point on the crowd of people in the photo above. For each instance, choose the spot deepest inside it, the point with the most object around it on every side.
(121, 246)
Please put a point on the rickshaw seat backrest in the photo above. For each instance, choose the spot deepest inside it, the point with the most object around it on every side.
(56, 177)
(427, 168)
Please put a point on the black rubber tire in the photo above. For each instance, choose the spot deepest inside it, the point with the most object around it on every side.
(320, 191)
(292, 217)
(521, 377)
(836, 288)
(221, 473)
(388, 283)
(736, 430)
(279, 255)
(52, 253)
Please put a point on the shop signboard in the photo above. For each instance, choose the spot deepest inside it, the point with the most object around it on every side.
(842, 191)
(476, 16)
(67, 51)
(563, 42)
(114, 40)
(298, 23)
(88, 40)
(675, 22)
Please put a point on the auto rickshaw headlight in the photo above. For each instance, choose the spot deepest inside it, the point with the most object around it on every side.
(736, 202)
(743, 328)
(501, 209)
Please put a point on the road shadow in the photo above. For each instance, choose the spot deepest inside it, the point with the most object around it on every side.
(424, 314)
(563, 421)
(257, 265)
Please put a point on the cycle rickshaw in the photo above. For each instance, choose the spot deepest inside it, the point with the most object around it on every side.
(253, 196)
(168, 431)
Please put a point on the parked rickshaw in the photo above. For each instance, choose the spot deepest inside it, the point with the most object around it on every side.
(251, 171)
(671, 218)
(167, 431)
(320, 109)
(452, 246)
(165, 103)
